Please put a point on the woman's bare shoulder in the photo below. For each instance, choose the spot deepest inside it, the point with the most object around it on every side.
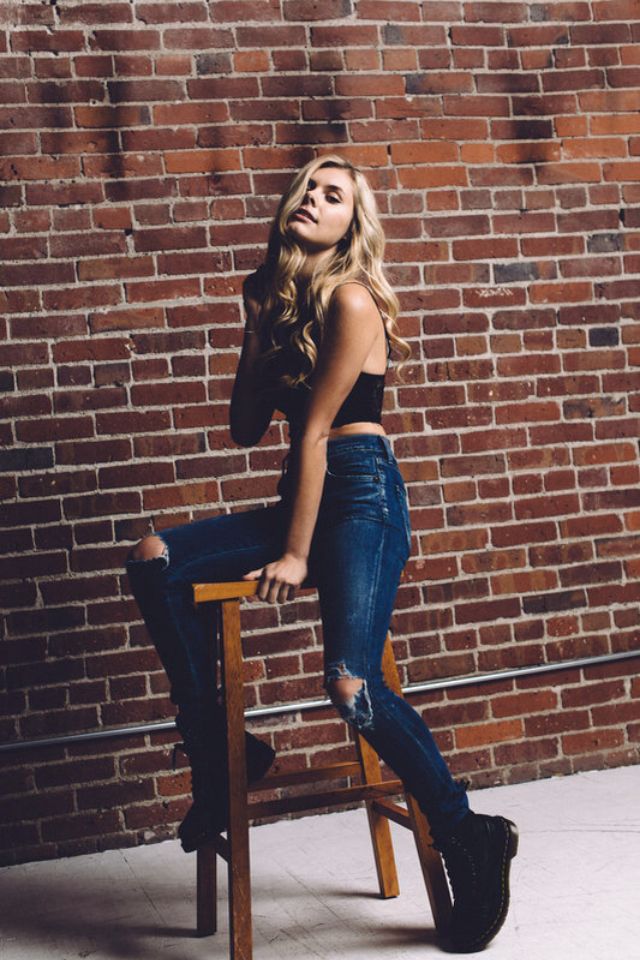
(355, 297)
(353, 313)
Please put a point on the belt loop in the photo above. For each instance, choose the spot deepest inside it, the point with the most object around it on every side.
(386, 447)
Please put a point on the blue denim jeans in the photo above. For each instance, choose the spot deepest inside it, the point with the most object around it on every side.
(361, 543)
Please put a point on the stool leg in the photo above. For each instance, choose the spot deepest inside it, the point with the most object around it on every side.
(378, 823)
(207, 908)
(431, 863)
(430, 860)
(238, 833)
(206, 865)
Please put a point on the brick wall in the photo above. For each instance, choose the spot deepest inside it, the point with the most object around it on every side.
(144, 148)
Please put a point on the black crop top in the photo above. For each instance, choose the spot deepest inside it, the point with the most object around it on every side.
(363, 403)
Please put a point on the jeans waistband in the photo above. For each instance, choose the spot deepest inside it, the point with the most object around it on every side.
(375, 442)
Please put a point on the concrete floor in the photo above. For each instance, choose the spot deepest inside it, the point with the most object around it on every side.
(574, 888)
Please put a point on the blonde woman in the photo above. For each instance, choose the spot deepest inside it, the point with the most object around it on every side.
(320, 327)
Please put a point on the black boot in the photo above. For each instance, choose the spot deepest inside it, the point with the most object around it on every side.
(478, 858)
(209, 813)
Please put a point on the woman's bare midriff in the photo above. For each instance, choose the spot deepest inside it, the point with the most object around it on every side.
(359, 427)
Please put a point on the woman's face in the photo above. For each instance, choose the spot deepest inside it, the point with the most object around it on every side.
(329, 201)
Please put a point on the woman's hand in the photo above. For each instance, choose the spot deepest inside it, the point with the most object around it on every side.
(280, 579)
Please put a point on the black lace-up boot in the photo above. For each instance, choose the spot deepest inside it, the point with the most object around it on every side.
(209, 813)
(478, 858)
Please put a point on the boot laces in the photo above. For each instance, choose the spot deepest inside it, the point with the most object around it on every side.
(461, 870)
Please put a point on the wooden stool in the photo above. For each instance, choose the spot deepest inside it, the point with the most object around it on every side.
(376, 792)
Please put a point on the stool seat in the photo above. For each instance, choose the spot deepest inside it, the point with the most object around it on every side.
(221, 601)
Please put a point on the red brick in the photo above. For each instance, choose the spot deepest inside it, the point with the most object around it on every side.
(82, 771)
(114, 795)
(592, 740)
(146, 761)
(85, 825)
(616, 713)
(589, 693)
(526, 751)
(484, 733)
(557, 722)
(35, 806)
(523, 703)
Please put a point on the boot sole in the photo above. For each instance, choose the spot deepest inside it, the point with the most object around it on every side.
(203, 838)
(509, 852)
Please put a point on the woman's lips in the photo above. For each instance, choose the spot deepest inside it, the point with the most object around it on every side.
(302, 214)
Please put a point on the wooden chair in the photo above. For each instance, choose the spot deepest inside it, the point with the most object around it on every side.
(224, 600)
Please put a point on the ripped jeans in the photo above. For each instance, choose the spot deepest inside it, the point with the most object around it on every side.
(361, 543)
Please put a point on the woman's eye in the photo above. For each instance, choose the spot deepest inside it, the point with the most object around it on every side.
(334, 198)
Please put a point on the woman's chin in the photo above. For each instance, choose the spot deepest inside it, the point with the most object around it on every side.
(299, 236)
(306, 243)
(298, 222)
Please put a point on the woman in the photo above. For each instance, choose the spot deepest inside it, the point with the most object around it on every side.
(316, 346)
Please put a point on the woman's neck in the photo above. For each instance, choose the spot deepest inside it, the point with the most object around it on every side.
(310, 263)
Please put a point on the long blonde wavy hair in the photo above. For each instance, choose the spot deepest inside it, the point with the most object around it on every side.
(291, 322)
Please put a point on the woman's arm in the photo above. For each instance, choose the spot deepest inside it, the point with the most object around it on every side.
(249, 414)
(352, 324)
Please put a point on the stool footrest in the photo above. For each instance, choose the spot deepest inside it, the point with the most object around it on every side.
(394, 812)
(334, 771)
(332, 798)
(372, 792)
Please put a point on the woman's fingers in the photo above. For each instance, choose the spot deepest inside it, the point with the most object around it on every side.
(286, 592)
(273, 588)
(279, 591)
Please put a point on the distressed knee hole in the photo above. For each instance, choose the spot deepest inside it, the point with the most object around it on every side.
(351, 697)
(341, 691)
(149, 548)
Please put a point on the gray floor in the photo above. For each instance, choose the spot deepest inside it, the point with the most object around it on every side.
(574, 888)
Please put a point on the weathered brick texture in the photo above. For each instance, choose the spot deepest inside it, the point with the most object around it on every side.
(143, 147)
